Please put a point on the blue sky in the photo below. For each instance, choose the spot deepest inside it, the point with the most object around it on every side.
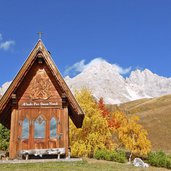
(129, 33)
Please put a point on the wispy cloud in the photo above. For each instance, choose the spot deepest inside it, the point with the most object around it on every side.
(141, 68)
(81, 66)
(6, 45)
(122, 70)
(0, 36)
(76, 68)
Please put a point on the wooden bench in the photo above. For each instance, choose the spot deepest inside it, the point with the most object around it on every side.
(41, 152)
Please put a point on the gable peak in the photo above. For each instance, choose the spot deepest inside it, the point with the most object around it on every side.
(40, 47)
(40, 43)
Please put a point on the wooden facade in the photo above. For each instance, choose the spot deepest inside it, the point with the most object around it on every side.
(37, 106)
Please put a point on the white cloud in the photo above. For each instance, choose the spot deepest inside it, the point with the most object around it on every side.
(80, 66)
(121, 70)
(7, 44)
(1, 37)
(141, 68)
(77, 67)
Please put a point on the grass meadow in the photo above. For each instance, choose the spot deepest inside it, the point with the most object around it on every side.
(85, 165)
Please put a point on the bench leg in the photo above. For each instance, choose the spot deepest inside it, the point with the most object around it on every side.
(58, 155)
(27, 156)
(69, 155)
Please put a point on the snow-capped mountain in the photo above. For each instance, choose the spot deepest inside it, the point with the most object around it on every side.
(4, 88)
(146, 83)
(105, 80)
(102, 79)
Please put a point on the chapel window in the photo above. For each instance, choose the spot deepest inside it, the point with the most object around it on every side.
(53, 128)
(39, 127)
(25, 129)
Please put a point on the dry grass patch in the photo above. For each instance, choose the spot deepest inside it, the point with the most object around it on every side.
(155, 116)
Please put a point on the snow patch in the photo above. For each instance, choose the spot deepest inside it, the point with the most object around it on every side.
(4, 88)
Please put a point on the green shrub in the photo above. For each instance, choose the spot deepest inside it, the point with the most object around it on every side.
(117, 156)
(159, 159)
(169, 156)
(120, 156)
(100, 154)
(168, 163)
(4, 138)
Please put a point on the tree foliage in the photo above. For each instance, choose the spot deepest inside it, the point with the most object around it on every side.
(95, 133)
(109, 116)
(132, 135)
(102, 107)
(4, 138)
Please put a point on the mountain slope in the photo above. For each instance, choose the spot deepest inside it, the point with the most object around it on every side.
(155, 116)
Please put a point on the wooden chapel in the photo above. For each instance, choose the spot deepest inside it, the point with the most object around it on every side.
(37, 106)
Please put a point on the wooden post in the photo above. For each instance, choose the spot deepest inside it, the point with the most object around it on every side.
(69, 153)
(66, 122)
(13, 135)
(66, 130)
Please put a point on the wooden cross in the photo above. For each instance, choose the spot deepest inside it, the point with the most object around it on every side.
(40, 34)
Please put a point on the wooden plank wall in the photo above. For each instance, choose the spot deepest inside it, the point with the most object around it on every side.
(38, 88)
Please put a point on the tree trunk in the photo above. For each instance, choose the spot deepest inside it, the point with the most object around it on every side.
(130, 157)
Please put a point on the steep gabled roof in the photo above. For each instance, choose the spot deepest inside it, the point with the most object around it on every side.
(75, 111)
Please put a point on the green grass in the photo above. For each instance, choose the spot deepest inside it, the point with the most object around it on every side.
(86, 165)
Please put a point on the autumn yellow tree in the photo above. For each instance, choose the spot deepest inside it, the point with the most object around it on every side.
(132, 135)
(95, 133)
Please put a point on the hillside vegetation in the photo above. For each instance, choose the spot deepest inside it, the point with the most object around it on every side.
(155, 116)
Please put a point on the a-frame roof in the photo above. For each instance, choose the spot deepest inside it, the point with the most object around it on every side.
(75, 111)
